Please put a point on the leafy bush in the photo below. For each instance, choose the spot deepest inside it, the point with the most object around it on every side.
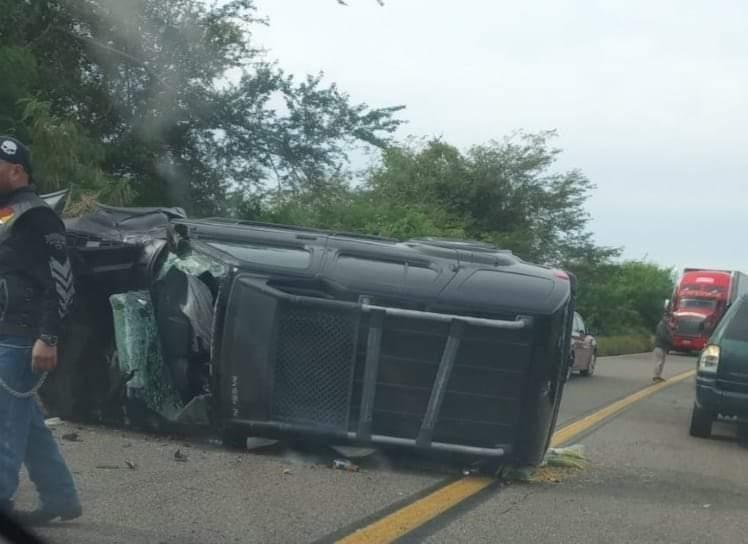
(624, 345)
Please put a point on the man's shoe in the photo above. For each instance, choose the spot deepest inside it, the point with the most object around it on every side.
(658, 379)
(42, 517)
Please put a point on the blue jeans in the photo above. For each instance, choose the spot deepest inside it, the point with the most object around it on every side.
(24, 438)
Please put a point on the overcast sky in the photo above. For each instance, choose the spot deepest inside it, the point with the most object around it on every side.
(649, 97)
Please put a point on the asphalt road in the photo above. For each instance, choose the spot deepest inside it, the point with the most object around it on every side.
(647, 480)
(614, 378)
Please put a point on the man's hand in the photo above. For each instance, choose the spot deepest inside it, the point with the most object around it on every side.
(43, 357)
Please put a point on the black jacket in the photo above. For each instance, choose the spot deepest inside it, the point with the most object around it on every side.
(36, 278)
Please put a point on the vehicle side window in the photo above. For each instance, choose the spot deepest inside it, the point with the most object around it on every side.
(737, 327)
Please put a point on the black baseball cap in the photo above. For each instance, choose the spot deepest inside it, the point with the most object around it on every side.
(13, 151)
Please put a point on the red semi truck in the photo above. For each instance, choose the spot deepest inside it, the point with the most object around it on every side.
(700, 299)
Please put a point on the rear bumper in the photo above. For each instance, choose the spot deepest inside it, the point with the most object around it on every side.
(719, 401)
(688, 343)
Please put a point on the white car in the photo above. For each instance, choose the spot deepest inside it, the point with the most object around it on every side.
(584, 348)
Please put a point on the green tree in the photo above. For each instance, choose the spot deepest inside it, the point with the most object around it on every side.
(185, 104)
(505, 192)
(623, 298)
(64, 154)
(65, 157)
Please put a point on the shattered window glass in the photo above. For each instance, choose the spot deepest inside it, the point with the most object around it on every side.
(139, 353)
(194, 264)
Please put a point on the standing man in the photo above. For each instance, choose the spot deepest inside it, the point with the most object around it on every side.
(663, 344)
(36, 290)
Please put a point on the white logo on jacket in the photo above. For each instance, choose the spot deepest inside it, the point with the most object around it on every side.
(9, 147)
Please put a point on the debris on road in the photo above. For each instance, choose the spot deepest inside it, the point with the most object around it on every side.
(108, 467)
(352, 452)
(180, 457)
(287, 471)
(558, 464)
(71, 437)
(53, 422)
(571, 457)
(518, 474)
(131, 465)
(551, 475)
(345, 464)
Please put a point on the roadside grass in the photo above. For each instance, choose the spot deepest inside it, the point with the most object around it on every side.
(624, 345)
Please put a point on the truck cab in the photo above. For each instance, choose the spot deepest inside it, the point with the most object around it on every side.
(700, 299)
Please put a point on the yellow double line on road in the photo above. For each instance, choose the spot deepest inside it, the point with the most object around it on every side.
(420, 512)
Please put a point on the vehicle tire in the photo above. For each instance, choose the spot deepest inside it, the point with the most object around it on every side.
(701, 422)
(590, 370)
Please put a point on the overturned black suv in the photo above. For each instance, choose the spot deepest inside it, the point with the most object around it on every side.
(258, 329)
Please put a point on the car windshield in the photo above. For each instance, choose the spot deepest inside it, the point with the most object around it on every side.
(700, 303)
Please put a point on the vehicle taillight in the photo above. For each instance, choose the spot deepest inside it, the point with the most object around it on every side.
(709, 360)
